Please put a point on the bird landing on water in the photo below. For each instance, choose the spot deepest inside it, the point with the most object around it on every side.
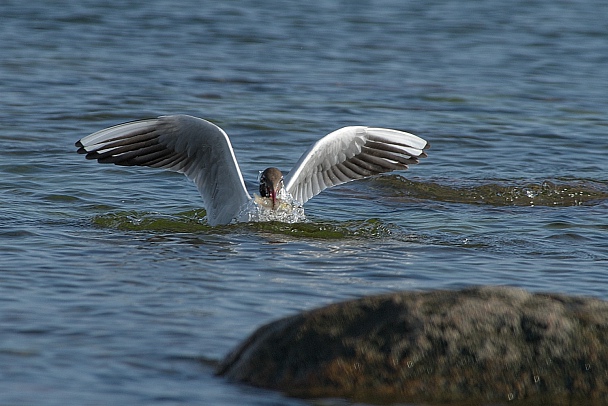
(203, 152)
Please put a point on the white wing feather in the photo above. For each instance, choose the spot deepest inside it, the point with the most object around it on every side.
(352, 153)
(189, 145)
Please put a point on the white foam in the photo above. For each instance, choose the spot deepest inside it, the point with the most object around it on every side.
(259, 209)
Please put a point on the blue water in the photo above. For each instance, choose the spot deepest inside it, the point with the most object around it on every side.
(113, 290)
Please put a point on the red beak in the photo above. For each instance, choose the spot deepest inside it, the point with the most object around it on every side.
(271, 182)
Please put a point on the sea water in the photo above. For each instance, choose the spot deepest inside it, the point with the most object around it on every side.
(115, 290)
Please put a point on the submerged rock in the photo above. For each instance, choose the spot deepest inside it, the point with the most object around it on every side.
(481, 345)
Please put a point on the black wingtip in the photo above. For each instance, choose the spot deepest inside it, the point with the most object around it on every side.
(82, 150)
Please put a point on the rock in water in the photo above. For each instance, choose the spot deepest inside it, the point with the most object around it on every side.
(481, 345)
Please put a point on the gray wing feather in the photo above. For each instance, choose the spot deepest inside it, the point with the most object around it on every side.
(189, 145)
(352, 153)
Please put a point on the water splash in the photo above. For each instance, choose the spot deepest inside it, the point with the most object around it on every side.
(259, 209)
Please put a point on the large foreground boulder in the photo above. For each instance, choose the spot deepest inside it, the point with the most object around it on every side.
(475, 346)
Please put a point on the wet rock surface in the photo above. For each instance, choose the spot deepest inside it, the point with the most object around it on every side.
(484, 345)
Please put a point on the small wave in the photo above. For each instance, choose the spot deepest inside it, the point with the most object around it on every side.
(546, 193)
(326, 230)
(186, 222)
(192, 222)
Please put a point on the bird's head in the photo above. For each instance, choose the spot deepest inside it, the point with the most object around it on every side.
(271, 183)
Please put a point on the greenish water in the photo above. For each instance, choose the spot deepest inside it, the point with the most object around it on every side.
(547, 193)
(194, 222)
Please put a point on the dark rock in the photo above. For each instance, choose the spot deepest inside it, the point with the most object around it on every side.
(478, 345)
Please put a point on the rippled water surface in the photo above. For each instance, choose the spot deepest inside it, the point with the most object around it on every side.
(114, 290)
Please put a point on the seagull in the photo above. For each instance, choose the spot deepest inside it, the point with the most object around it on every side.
(202, 151)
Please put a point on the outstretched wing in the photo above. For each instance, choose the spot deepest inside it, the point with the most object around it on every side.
(189, 145)
(352, 153)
